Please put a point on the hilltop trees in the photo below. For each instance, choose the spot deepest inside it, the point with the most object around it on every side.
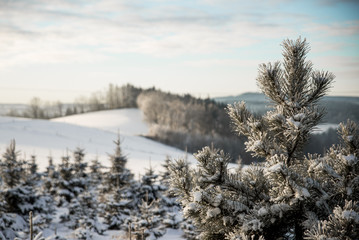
(289, 196)
(187, 122)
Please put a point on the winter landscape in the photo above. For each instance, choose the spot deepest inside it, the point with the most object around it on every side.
(197, 120)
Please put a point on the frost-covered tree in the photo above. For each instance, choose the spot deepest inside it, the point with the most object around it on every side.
(11, 167)
(288, 194)
(121, 198)
(149, 190)
(33, 167)
(146, 223)
(118, 207)
(118, 175)
(96, 174)
(72, 178)
(79, 182)
(184, 183)
(79, 164)
(172, 217)
(19, 195)
(64, 190)
(83, 216)
(50, 178)
(12, 201)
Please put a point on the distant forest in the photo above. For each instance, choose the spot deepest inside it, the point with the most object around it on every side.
(187, 122)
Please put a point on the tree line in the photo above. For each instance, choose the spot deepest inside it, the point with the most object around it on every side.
(113, 97)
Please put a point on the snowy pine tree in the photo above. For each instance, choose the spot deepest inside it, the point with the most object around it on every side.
(288, 194)
(149, 190)
(184, 183)
(64, 191)
(11, 166)
(120, 199)
(72, 178)
(79, 165)
(33, 168)
(13, 198)
(169, 203)
(19, 194)
(147, 221)
(96, 174)
(118, 175)
(83, 216)
(50, 178)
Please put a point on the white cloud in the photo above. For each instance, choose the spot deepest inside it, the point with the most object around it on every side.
(110, 27)
(342, 29)
(222, 62)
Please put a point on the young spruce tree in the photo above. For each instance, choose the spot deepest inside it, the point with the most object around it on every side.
(289, 196)
(19, 195)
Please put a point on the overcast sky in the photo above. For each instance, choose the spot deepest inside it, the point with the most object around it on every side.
(59, 50)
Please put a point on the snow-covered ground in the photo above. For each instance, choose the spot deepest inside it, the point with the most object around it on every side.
(95, 132)
(127, 121)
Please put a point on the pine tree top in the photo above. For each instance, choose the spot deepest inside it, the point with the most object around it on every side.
(294, 90)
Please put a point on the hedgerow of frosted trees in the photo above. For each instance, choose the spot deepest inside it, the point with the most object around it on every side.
(290, 195)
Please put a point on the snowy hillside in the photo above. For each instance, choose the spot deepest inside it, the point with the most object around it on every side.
(95, 132)
(127, 121)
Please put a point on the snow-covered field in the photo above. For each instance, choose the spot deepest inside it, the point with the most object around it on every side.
(95, 132)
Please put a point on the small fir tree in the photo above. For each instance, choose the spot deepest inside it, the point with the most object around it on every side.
(173, 217)
(11, 167)
(118, 208)
(79, 182)
(96, 174)
(19, 196)
(120, 187)
(65, 191)
(182, 168)
(73, 178)
(83, 216)
(50, 179)
(79, 165)
(149, 189)
(33, 168)
(146, 222)
(118, 175)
